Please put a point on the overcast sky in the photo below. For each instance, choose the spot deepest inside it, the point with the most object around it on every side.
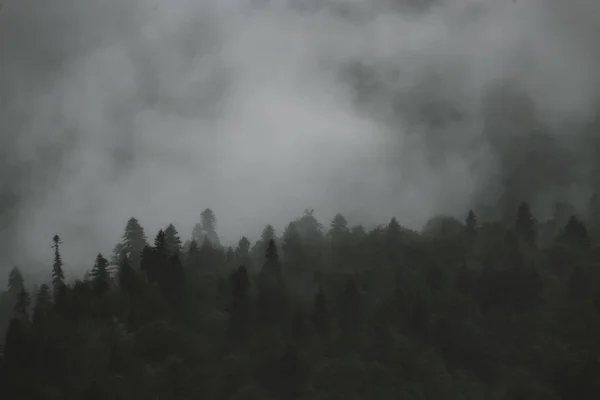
(259, 109)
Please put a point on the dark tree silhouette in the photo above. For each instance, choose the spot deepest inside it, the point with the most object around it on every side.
(173, 240)
(134, 241)
(58, 276)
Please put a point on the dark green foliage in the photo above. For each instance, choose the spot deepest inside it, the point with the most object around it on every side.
(15, 281)
(473, 310)
(126, 275)
(525, 225)
(22, 305)
(42, 306)
(133, 242)
(58, 276)
(271, 291)
(575, 234)
(209, 227)
(173, 241)
(100, 275)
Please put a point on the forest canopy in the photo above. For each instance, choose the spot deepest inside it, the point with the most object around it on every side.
(472, 309)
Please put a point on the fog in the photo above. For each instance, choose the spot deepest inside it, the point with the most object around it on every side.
(259, 109)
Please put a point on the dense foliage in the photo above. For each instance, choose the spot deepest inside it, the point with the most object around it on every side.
(462, 310)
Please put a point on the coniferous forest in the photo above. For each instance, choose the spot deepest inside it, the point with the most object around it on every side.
(472, 309)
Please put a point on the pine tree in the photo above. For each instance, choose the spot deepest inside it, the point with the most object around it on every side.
(21, 309)
(198, 233)
(267, 234)
(193, 255)
(243, 249)
(310, 229)
(134, 241)
(126, 275)
(209, 226)
(43, 305)
(393, 232)
(575, 234)
(394, 245)
(338, 228)
(271, 288)
(525, 225)
(115, 256)
(58, 276)
(172, 281)
(100, 268)
(208, 255)
(100, 275)
(15, 281)
(148, 264)
(259, 248)
(173, 240)
(292, 247)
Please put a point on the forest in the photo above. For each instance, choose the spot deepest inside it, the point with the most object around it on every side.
(463, 309)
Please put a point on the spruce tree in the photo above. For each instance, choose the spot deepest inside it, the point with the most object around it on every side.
(193, 255)
(209, 226)
(134, 241)
(243, 249)
(173, 240)
(100, 275)
(575, 234)
(15, 281)
(525, 225)
(43, 305)
(21, 309)
(58, 276)
(126, 275)
(271, 288)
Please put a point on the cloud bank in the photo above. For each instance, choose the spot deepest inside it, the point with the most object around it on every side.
(259, 109)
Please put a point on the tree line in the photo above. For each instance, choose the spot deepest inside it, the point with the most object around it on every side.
(499, 309)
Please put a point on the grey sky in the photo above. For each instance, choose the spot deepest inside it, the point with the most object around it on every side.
(257, 109)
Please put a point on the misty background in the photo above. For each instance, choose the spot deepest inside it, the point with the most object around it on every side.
(259, 109)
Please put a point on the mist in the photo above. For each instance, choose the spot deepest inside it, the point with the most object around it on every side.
(260, 109)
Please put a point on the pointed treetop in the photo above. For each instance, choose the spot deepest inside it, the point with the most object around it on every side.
(267, 234)
(244, 246)
(58, 275)
(100, 268)
(173, 239)
(15, 281)
(160, 241)
(56, 240)
(209, 221)
(471, 220)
